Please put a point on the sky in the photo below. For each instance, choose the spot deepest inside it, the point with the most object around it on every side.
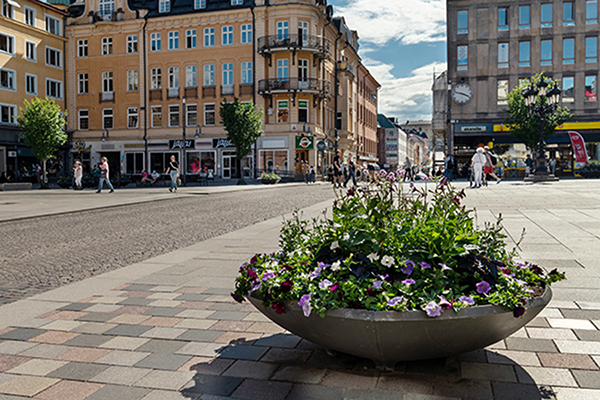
(402, 42)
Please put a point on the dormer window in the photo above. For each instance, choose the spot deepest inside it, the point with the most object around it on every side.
(106, 7)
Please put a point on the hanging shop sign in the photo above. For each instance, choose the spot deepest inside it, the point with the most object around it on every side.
(178, 144)
(305, 143)
(321, 146)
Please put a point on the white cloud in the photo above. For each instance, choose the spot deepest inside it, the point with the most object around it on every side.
(408, 98)
(407, 21)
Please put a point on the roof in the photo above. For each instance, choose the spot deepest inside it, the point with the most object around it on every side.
(50, 6)
(384, 122)
(185, 6)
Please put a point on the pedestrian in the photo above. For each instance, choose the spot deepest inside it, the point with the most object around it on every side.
(78, 174)
(337, 170)
(552, 164)
(173, 172)
(305, 171)
(477, 163)
(96, 174)
(311, 174)
(528, 164)
(330, 173)
(408, 174)
(351, 173)
(490, 162)
(449, 167)
(104, 176)
(39, 173)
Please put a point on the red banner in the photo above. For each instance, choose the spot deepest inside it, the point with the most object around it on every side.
(579, 149)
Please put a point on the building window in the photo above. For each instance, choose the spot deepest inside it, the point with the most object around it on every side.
(84, 119)
(283, 30)
(591, 49)
(546, 52)
(30, 51)
(53, 57)
(568, 14)
(7, 79)
(209, 75)
(30, 84)
(237, 2)
(8, 114)
(502, 92)
(282, 111)
(82, 48)
(53, 25)
(546, 15)
(569, 51)
(134, 163)
(191, 76)
(502, 19)
(107, 81)
(107, 118)
(53, 88)
(155, 42)
(30, 16)
(155, 79)
(190, 39)
(462, 58)
(246, 33)
(7, 44)
(246, 73)
(106, 7)
(174, 115)
(173, 77)
(156, 116)
(283, 70)
(462, 21)
(591, 12)
(568, 88)
(502, 55)
(132, 117)
(590, 88)
(209, 114)
(107, 46)
(228, 78)
(524, 54)
(524, 17)
(8, 10)
(209, 37)
(164, 6)
(132, 44)
(227, 35)
(173, 40)
(132, 80)
(82, 83)
(303, 111)
(191, 116)
(198, 4)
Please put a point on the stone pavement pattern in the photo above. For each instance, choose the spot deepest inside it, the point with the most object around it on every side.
(167, 328)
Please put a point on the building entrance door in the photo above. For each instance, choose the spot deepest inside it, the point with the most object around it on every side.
(229, 165)
(301, 159)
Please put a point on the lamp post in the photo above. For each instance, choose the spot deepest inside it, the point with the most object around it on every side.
(541, 99)
(184, 161)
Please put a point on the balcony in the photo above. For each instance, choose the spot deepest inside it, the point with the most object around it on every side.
(191, 92)
(173, 93)
(209, 91)
(107, 96)
(156, 94)
(227, 90)
(314, 44)
(309, 85)
(246, 89)
(345, 66)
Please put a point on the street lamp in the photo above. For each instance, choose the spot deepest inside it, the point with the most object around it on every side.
(184, 163)
(541, 99)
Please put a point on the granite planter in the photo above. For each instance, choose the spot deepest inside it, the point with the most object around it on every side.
(269, 181)
(388, 337)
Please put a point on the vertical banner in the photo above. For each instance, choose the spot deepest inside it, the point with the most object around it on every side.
(579, 149)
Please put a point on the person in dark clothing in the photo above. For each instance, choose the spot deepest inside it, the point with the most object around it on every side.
(351, 173)
(337, 170)
(173, 172)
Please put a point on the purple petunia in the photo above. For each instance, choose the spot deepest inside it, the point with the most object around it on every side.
(483, 287)
(433, 310)
(323, 265)
(394, 302)
(268, 275)
(424, 265)
(467, 300)
(444, 303)
(377, 284)
(254, 288)
(445, 267)
(410, 266)
(305, 304)
(408, 282)
(325, 284)
(315, 273)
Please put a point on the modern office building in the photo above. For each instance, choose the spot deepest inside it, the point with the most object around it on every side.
(494, 44)
(140, 73)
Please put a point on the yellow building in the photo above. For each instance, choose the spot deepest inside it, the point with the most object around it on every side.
(137, 75)
(32, 59)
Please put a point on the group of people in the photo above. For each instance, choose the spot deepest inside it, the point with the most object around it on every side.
(309, 173)
(482, 165)
(340, 174)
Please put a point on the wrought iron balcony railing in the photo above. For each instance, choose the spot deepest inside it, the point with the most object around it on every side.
(308, 85)
(295, 42)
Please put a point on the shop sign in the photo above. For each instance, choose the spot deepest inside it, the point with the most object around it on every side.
(304, 143)
(178, 144)
(222, 143)
(473, 128)
(391, 146)
(321, 145)
(12, 154)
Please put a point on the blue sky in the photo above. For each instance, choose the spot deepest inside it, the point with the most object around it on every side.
(402, 42)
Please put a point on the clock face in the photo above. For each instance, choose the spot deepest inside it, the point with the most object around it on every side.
(462, 93)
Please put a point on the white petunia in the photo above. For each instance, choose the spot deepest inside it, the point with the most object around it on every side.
(373, 257)
(336, 266)
(387, 261)
(335, 245)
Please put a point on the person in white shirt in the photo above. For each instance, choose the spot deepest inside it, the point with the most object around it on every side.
(477, 163)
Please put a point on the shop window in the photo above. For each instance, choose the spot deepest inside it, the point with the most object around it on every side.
(134, 163)
(282, 111)
(273, 160)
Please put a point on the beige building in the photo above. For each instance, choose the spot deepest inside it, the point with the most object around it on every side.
(32, 58)
(136, 76)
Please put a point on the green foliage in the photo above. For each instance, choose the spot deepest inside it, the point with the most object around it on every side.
(526, 126)
(243, 125)
(43, 127)
(269, 176)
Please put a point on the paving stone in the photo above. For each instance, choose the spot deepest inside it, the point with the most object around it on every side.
(213, 397)
(228, 315)
(219, 291)
(139, 287)
(587, 335)
(94, 327)
(6, 377)
(124, 343)
(197, 314)
(462, 388)
(214, 385)
(546, 333)
(132, 310)
(166, 322)
(199, 335)
(581, 314)
(54, 337)
(438, 366)
(314, 392)
(128, 330)
(162, 346)
(350, 380)
(226, 307)
(21, 334)
(114, 392)
(516, 391)
(164, 288)
(537, 345)
(128, 319)
(103, 308)
(283, 356)
(406, 383)
(299, 374)
(158, 394)
(84, 340)
(227, 326)
(364, 394)
(96, 317)
(37, 367)
(77, 371)
(135, 293)
(201, 349)
(27, 385)
(191, 297)
(259, 390)
(61, 325)
(163, 312)
(567, 323)
(163, 333)
(539, 322)
(578, 347)
(75, 307)
(545, 376)
(46, 351)
(473, 356)
(83, 354)
(493, 372)
(513, 357)
(587, 379)
(243, 352)
(251, 369)
(280, 340)
(122, 358)
(208, 365)
(238, 338)
(69, 390)
(121, 375)
(170, 380)
(163, 296)
(165, 303)
(571, 361)
(15, 347)
(576, 394)
(169, 362)
(196, 305)
(135, 301)
(195, 324)
(191, 289)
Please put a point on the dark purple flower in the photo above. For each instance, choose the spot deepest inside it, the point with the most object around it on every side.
(286, 286)
(370, 292)
(351, 192)
(237, 297)
(410, 266)
(279, 307)
(518, 312)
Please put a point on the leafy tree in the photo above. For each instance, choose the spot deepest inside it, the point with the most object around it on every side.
(243, 124)
(42, 125)
(524, 125)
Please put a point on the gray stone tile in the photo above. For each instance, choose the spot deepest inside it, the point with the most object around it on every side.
(279, 340)
(76, 306)
(588, 335)
(463, 388)
(77, 371)
(406, 383)
(128, 330)
(138, 287)
(243, 352)
(15, 346)
(163, 312)
(121, 375)
(222, 291)
(169, 380)
(581, 314)
(229, 315)
(191, 297)
(587, 379)
(200, 335)
(282, 356)
(313, 392)
(258, 390)
(201, 349)
(93, 327)
(493, 372)
(213, 397)
(135, 301)
(122, 358)
(96, 317)
(165, 361)
(537, 345)
(88, 340)
(226, 307)
(251, 369)
(209, 366)
(22, 334)
(299, 374)
(114, 392)
(210, 384)
(368, 394)
(162, 346)
(45, 350)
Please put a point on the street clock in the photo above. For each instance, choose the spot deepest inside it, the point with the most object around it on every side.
(462, 93)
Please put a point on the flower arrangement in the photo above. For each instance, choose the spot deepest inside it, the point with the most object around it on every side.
(269, 176)
(389, 248)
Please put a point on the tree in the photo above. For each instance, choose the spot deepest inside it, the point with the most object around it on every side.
(42, 124)
(243, 124)
(524, 125)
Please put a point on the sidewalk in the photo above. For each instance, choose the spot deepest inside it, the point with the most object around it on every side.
(167, 328)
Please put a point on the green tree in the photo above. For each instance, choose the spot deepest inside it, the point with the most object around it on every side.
(42, 124)
(524, 125)
(243, 124)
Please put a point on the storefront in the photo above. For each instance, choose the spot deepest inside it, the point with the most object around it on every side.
(273, 154)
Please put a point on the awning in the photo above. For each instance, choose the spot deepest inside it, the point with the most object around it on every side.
(13, 3)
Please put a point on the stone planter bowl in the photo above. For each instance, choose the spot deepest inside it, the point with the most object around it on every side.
(388, 337)
(269, 181)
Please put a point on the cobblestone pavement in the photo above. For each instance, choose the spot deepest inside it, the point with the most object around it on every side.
(46, 252)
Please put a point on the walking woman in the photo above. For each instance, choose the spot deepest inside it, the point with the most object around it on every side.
(173, 172)
(78, 174)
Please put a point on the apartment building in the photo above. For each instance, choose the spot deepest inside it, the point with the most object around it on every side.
(494, 44)
(142, 73)
(32, 58)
